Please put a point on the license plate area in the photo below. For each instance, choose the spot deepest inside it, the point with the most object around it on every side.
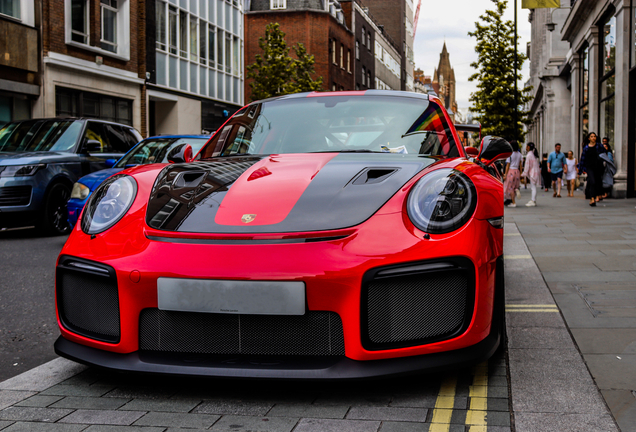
(231, 297)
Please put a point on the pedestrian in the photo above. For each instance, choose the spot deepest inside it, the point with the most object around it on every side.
(609, 170)
(545, 174)
(592, 165)
(532, 171)
(556, 167)
(571, 175)
(512, 174)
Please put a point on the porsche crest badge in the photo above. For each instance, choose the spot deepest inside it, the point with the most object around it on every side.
(247, 218)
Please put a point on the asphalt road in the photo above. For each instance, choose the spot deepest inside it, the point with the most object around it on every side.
(28, 326)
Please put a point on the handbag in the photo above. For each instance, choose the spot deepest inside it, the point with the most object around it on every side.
(577, 183)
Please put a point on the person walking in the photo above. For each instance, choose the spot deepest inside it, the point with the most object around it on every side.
(591, 164)
(532, 171)
(512, 174)
(571, 175)
(556, 167)
(610, 168)
(545, 174)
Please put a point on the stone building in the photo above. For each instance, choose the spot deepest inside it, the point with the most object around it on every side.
(580, 55)
(20, 68)
(444, 83)
(318, 24)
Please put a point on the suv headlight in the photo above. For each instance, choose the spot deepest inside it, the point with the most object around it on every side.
(442, 201)
(108, 204)
(20, 170)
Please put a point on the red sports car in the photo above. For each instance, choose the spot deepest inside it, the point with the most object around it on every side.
(321, 235)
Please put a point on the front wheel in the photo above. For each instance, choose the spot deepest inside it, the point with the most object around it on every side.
(54, 220)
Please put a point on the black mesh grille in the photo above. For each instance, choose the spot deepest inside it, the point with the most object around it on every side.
(15, 195)
(315, 333)
(417, 307)
(88, 304)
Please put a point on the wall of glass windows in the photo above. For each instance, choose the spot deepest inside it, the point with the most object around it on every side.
(584, 109)
(200, 47)
(608, 80)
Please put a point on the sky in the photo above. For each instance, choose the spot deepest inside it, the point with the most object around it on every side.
(450, 21)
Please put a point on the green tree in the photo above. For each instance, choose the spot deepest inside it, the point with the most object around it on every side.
(494, 100)
(275, 72)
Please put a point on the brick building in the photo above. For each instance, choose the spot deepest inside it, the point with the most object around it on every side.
(318, 24)
(20, 67)
(93, 60)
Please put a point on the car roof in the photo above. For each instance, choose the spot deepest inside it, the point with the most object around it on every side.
(69, 119)
(360, 93)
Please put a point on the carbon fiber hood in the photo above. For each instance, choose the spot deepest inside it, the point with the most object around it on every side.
(277, 193)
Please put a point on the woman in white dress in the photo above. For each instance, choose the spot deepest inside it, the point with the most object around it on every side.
(532, 170)
(571, 174)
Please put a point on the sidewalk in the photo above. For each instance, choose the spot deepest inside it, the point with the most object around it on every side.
(587, 256)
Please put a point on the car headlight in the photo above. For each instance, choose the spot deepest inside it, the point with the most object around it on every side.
(80, 191)
(20, 170)
(442, 201)
(108, 204)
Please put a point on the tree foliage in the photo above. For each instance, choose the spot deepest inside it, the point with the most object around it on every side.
(494, 100)
(275, 72)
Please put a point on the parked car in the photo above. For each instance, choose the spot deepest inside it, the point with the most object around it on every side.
(150, 150)
(41, 159)
(321, 235)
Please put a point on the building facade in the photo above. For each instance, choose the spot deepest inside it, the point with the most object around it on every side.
(444, 83)
(585, 51)
(20, 68)
(194, 62)
(318, 24)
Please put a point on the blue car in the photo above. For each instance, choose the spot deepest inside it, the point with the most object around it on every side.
(40, 159)
(150, 150)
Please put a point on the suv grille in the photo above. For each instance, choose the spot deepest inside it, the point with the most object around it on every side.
(15, 195)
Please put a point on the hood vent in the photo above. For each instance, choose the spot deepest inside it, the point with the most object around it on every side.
(188, 179)
(374, 175)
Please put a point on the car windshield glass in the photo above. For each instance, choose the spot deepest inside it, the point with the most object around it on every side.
(41, 135)
(156, 150)
(383, 124)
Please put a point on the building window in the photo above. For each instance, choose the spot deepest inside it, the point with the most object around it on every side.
(79, 21)
(364, 75)
(369, 41)
(278, 4)
(109, 25)
(11, 8)
(183, 33)
(357, 50)
(369, 82)
(173, 19)
(342, 56)
(608, 80)
(76, 103)
(584, 112)
(333, 87)
(333, 51)
(349, 61)
(364, 36)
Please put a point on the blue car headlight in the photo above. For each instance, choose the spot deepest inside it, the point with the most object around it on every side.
(442, 201)
(108, 204)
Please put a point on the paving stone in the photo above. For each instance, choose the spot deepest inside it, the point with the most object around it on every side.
(497, 392)
(562, 422)
(314, 411)
(11, 397)
(622, 403)
(234, 407)
(414, 401)
(74, 402)
(44, 376)
(110, 428)
(539, 337)
(254, 424)
(389, 414)
(129, 392)
(388, 426)
(39, 401)
(33, 414)
(354, 399)
(498, 404)
(169, 405)
(612, 372)
(201, 421)
(325, 425)
(4, 424)
(80, 391)
(43, 427)
(104, 417)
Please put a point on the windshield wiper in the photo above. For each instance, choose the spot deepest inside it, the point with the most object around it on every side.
(347, 151)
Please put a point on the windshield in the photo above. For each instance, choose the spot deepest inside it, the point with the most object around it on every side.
(40, 135)
(383, 124)
(156, 150)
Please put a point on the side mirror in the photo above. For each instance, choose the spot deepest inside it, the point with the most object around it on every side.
(110, 163)
(471, 151)
(93, 146)
(493, 149)
(180, 154)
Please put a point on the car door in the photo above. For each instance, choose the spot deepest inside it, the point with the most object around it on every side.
(102, 141)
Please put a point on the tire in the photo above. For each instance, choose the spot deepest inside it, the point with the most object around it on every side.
(54, 219)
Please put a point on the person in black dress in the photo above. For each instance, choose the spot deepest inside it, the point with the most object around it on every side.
(545, 174)
(592, 165)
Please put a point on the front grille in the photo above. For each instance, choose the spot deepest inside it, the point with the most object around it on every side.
(316, 333)
(414, 309)
(15, 195)
(87, 301)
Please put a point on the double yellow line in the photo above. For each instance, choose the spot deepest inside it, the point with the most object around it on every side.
(532, 308)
